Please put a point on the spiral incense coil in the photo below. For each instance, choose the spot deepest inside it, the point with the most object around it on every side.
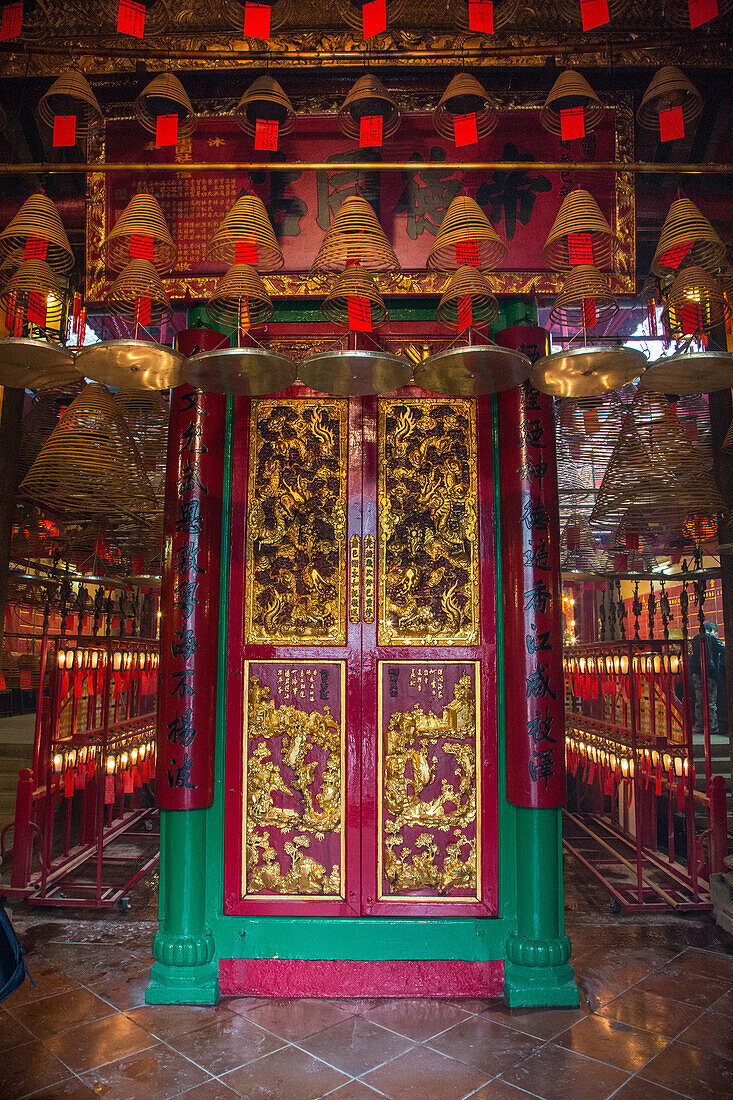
(504, 11)
(232, 12)
(142, 217)
(139, 280)
(578, 215)
(240, 299)
(351, 11)
(669, 88)
(583, 285)
(355, 237)
(72, 95)
(687, 237)
(165, 95)
(10, 264)
(247, 221)
(571, 90)
(354, 282)
(467, 282)
(570, 10)
(464, 95)
(146, 414)
(677, 12)
(465, 222)
(265, 99)
(695, 303)
(368, 97)
(34, 277)
(39, 219)
(157, 14)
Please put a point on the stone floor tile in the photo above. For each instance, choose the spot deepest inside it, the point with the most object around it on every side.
(355, 1045)
(125, 993)
(210, 1090)
(65, 1010)
(555, 1073)
(499, 1089)
(89, 964)
(708, 964)
(355, 1090)
(650, 1012)
(242, 1005)
(724, 1004)
(474, 1004)
(684, 987)
(226, 1044)
(73, 1088)
(169, 1021)
(29, 1068)
(544, 1023)
(157, 1072)
(49, 981)
(424, 1074)
(288, 1073)
(485, 1045)
(94, 1044)
(298, 1018)
(12, 1033)
(693, 1072)
(417, 1019)
(610, 1041)
(713, 1031)
(636, 1088)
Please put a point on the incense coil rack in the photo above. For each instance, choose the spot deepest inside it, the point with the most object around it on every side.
(695, 295)
(368, 97)
(142, 217)
(579, 215)
(165, 95)
(34, 277)
(669, 87)
(463, 283)
(466, 224)
(584, 284)
(139, 280)
(354, 282)
(246, 221)
(571, 89)
(464, 95)
(355, 236)
(38, 219)
(685, 226)
(72, 90)
(240, 299)
(265, 99)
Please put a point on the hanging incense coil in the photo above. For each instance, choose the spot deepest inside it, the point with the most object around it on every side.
(142, 217)
(351, 11)
(354, 282)
(165, 95)
(232, 12)
(355, 236)
(695, 303)
(71, 94)
(580, 551)
(464, 96)
(89, 465)
(583, 285)
(579, 215)
(157, 14)
(265, 99)
(504, 11)
(467, 282)
(368, 98)
(40, 420)
(687, 237)
(35, 277)
(38, 219)
(240, 299)
(139, 280)
(10, 264)
(465, 224)
(677, 12)
(669, 88)
(571, 90)
(570, 10)
(247, 224)
(146, 414)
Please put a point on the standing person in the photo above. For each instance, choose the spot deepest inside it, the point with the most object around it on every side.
(715, 663)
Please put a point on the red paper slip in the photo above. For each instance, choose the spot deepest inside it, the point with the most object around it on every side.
(245, 250)
(374, 17)
(36, 312)
(671, 124)
(591, 423)
(141, 247)
(689, 318)
(131, 18)
(589, 312)
(143, 311)
(35, 248)
(580, 248)
(25, 679)
(370, 131)
(467, 252)
(481, 16)
(464, 312)
(244, 318)
(257, 20)
(266, 133)
(465, 130)
(674, 257)
(701, 11)
(166, 130)
(572, 123)
(11, 22)
(594, 13)
(64, 131)
(360, 314)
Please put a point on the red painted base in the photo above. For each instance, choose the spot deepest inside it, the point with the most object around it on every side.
(357, 978)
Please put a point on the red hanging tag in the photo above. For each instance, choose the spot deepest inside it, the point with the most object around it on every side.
(131, 18)
(35, 248)
(64, 131)
(36, 311)
(674, 257)
(651, 316)
(688, 318)
(680, 791)
(75, 311)
(629, 793)
(591, 774)
(166, 130)
(374, 17)
(370, 131)
(591, 423)
(594, 13)
(135, 777)
(12, 20)
(245, 250)
(590, 316)
(580, 248)
(69, 783)
(144, 771)
(572, 123)
(2, 682)
(465, 312)
(701, 11)
(127, 781)
(266, 133)
(658, 783)
(143, 311)
(82, 327)
(91, 767)
(465, 129)
(467, 252)
(25, 680)
(481, 16)
(244, 318)
(671, 124)
(118, 683)
(141, 247)
(78, 684)
(360, 313)
(90, 684)
(257, 20)
(109, 790)
(80, 778)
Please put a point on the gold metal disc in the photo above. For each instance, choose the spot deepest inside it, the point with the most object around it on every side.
(35, 364)
(248, 372)
(131, 365)
(690, 372)
(355, 373)
(587, 372)
(470, 371)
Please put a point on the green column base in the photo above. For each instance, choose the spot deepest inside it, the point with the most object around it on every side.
(183, 985)
(540, 986)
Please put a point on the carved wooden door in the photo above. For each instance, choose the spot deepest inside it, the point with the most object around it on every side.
(361, 714)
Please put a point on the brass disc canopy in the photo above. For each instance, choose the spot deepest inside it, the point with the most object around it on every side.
(35, 364)
(471, 371)
(246, 372)
(587, 371)
(131, 364)
(355, 373)
(689, 373)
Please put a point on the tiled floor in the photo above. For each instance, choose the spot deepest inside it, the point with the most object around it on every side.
(656, 1023)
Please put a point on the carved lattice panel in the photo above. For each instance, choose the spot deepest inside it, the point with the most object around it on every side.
(428, 528)
(429, 799)
(296, 523)
(294, 774)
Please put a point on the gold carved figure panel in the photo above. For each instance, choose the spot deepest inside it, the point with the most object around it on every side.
(429, 797)
(428, 523)
(294, 779)
(296, 523)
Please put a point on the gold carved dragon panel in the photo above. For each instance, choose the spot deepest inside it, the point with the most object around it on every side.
(296, 523)
(429, 797)
(294, 772)
(428, 523)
